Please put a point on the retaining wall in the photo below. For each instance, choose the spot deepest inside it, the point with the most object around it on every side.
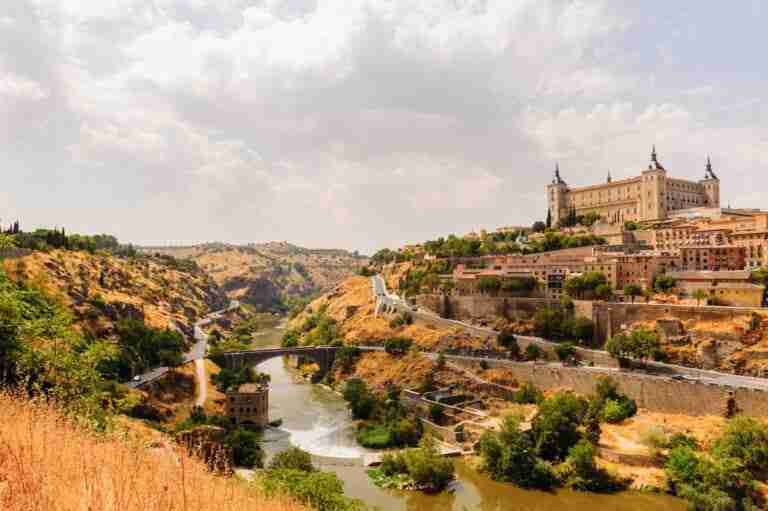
(609, 317)
(478, 306)
(652, 393)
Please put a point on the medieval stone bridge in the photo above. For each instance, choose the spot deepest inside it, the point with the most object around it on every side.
(323, 355)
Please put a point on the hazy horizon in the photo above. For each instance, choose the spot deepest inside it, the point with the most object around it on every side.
(363, 124)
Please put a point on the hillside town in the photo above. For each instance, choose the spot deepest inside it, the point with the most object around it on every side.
(635, 230)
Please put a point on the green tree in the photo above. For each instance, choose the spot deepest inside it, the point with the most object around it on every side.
(664, 283)
(361, 400)
(7, 241)
(565, 351)
(633, 291)
(641, 343)
(700, 295)
(555, 426)
(508, 341)
(746, 439)
(246, 448)
(509, 456)
(603, 292)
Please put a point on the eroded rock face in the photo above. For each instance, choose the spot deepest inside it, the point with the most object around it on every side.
(207, 444)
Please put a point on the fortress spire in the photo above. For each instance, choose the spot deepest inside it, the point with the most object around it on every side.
(708, 173)
(609, 177)
(557, 180)
(655, 165)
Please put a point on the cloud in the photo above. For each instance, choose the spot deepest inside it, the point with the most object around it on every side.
(357, 124)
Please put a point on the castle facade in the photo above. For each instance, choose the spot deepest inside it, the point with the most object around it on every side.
(651, 196)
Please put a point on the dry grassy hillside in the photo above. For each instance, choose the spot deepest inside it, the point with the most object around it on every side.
(100, 289)
(49, 464)
(351, 304)
(265, 274)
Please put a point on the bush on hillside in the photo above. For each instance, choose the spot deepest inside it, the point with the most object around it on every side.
(292, 458)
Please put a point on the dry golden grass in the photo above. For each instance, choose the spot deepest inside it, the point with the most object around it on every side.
(47, 463)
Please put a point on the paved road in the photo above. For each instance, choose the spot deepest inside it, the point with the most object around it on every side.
(657, 369)
(196, 352)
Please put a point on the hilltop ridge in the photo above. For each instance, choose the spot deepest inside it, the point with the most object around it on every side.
(268, 275)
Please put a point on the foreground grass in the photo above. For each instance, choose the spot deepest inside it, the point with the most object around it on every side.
(48, 463)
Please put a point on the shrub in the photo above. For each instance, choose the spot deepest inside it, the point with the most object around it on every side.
(436, 412)
(528, 394)
(397, 346)
(681, 440)
(322, 491)
(565, 351)
(484, 365)
(426, 468)
(292, 458)
(377, 436)
(402, 319)
(616, 411)
(392, 464)
(508, 341)
(532, 352)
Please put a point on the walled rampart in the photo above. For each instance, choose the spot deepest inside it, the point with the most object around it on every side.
(650, 392)
(483, 306)
(610, 317)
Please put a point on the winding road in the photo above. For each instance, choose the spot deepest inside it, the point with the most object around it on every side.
(196, 353)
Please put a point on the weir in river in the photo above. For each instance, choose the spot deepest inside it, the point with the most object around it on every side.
(317, 420)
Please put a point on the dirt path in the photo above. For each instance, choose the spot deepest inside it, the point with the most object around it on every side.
(202, 387)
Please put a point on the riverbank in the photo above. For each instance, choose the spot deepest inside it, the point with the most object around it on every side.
(316, 419)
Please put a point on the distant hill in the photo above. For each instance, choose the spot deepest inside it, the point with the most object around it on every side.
(100, 288)
(268, 275)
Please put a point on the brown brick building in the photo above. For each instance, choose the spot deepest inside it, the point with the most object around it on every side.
(249, 404)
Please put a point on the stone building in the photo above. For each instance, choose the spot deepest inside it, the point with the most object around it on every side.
(249, 404)
(651, 196)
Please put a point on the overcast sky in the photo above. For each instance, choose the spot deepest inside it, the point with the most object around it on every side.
(362, 124)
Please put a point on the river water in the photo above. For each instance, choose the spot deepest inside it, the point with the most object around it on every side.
(317, 420)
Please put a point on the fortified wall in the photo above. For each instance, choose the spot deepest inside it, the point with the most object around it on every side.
(610, 317)
(469, 307)
(652, 393)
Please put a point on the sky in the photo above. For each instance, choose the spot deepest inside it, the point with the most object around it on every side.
(364, 124)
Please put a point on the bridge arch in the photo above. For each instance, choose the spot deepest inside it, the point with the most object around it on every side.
(323, 355)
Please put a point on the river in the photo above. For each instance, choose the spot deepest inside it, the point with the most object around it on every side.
(317, 420)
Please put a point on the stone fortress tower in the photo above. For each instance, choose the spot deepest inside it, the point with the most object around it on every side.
(651, 196)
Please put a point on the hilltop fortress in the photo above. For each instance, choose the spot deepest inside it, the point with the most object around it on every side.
(651, 196)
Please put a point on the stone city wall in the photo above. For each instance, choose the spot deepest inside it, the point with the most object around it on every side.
(652, 393)
(482, 306)
(610, 317)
